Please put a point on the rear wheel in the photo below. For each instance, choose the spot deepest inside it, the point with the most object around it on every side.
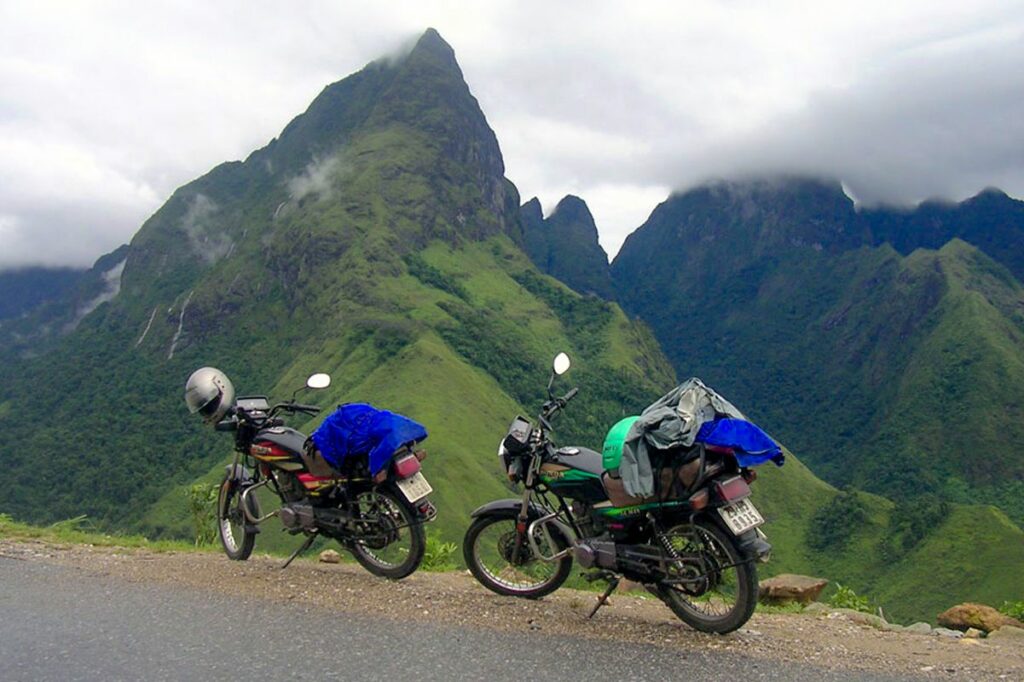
(392, 541)
(714, 587)
(490, 551)
(231, 522)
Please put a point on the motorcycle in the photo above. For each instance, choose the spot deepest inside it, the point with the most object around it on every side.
(379, 519)
(696, 549)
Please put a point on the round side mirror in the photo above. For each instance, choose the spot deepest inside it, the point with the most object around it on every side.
(320, 380)
(561, 364)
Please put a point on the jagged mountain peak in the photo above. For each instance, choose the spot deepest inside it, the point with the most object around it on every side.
(404, 126)
(432, 46)
(572, 207)
(565, 245)
(532, 210)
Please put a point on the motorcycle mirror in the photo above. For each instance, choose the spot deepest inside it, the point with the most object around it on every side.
(561, 364)
(319, 380)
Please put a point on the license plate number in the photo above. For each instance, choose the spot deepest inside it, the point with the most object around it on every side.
(415, 487)
(741, 516)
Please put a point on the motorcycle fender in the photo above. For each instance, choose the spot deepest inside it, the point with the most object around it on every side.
(754, 545)
(511, 507)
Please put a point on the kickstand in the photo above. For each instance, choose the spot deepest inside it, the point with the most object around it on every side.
(305, 545)
(603, 599)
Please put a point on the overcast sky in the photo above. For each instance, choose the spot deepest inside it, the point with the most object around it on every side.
(107, 107)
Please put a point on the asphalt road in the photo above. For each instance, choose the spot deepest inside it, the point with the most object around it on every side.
(58, 623)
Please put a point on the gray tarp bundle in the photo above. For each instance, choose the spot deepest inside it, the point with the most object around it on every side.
(672, 421)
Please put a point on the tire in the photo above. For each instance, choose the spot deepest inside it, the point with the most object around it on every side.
(725, 598)
(396, 540)
(231, 524)
(489, 537)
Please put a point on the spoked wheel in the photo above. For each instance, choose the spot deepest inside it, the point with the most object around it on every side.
(392, 540)
(231, 524)
(491, 555)
(713, 588)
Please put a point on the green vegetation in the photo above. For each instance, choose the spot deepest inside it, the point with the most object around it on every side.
(202, 505)
(79, 530)
(439, 555)
(838, 521)
(845, 598)
(1013, 609)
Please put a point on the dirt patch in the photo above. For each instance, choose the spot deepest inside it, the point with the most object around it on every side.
(825, 640)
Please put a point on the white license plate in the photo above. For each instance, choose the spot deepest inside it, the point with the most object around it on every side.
(415, 487)
(741, 516)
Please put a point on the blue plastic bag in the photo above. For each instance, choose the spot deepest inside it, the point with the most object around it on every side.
(358, 429)
(751, 445)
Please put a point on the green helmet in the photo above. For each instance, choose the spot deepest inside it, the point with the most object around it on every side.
(611, 453)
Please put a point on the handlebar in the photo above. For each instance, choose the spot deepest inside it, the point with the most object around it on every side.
(295, 407)
(555, 404)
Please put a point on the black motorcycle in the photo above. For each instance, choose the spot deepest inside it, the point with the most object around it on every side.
(379, 519)
(694, 545)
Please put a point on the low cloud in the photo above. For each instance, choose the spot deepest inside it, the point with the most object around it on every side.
(901, 100)
(319, 179)
(111, 288)
(205, 236)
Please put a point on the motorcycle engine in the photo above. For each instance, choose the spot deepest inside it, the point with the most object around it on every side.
(596, 554)
(298, 516)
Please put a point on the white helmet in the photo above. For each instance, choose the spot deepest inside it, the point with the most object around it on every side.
(210, 393)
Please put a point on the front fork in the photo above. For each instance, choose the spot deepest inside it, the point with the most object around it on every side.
(524, 509)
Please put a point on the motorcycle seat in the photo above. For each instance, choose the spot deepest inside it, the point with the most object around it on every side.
(289, 439)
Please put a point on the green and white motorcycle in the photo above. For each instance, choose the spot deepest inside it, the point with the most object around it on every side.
(695, 545)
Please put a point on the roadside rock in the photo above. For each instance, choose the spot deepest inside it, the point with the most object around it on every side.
(973, 633)
(919, 628)
(329, 556)
(1008, 633)
(946, 632)
(816, 607)
(788, 587)
(862, 618)
(971, 615)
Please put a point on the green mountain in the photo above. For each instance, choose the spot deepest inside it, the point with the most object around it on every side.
(991, 221)
(45, 304)
(903, 375)
(377, 239)
(565, 245)
(23, 290)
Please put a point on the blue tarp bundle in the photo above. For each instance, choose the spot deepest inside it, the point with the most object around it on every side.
(751, 445)
(359, 429)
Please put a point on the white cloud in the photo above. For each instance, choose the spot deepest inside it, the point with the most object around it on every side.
(106, 107)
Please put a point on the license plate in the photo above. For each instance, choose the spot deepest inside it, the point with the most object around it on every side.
(741, 516)
(415, 487)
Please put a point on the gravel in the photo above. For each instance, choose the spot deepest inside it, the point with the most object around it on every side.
(826, 641)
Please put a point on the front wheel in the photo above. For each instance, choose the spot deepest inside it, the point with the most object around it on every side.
(236, 533)
(489, 548)
(711, 586)
(391, 541)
